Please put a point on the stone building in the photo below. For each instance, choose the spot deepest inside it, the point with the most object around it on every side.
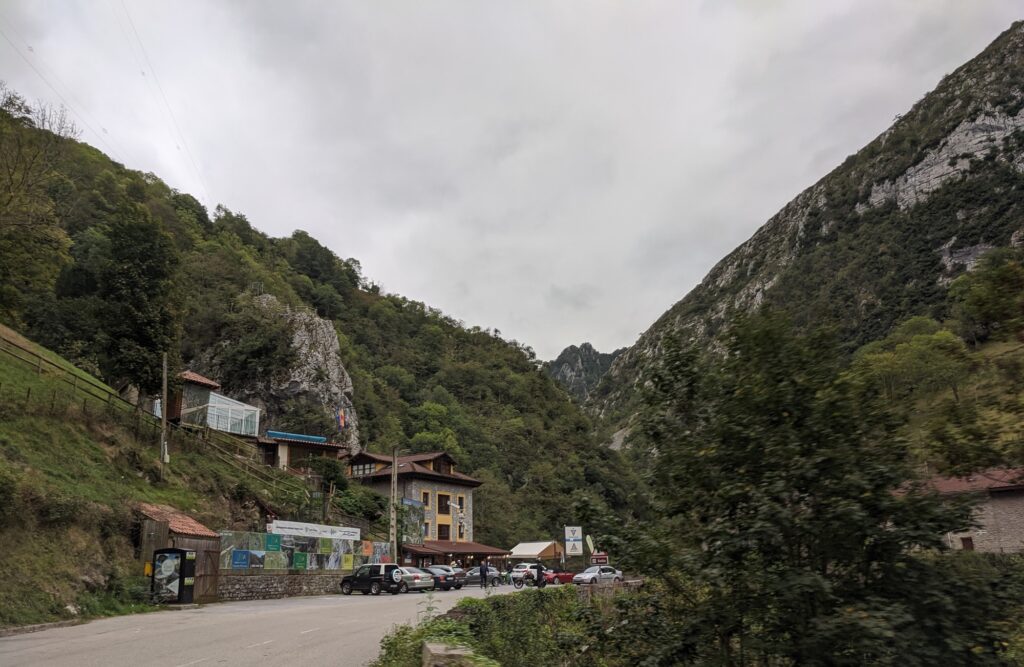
(999, 514)
(438, 496)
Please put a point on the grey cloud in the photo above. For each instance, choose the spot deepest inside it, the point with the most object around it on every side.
(561, 172)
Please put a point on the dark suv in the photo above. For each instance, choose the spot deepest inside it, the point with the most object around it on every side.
(372, 578)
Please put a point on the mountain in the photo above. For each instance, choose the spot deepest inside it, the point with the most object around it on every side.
(110, 267)
(877, 239)
(579, 369)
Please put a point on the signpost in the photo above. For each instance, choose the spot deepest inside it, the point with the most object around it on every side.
(599, 558)
(573, 541)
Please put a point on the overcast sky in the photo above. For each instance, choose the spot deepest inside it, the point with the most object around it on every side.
(561, 171)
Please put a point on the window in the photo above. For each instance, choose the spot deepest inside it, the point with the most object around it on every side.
(967, 543)
(363, 572)
(426, 499)
(442, 467)
(462, 532)
(426, 530)
(444, 503)
(362, 469)
(462, 503)
(444, 531)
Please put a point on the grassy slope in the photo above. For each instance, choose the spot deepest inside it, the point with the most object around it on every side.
(67, 482)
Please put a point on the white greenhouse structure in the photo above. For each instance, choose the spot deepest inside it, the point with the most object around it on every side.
(224, 414)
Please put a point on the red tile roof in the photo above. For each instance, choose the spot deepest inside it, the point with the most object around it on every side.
(177, 522)
(196, 378)
(411, 465)
(411, 458)
(418, 470)
(445, 547)
(995, 479)
(450, 547)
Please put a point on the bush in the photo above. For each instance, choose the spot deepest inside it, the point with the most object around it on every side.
(535, 627)
(404, 646)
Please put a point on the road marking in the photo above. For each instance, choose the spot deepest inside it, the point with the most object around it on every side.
(308, 631)
(259, 644)
(194, 662)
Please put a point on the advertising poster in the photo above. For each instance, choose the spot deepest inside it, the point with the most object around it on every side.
(367, 548)
(326, 545)
(347, 561)
(381, 552)
(299, 561)
(275, 560)
(239, 560)
(167, 576)
(256, 559)
(273, 543)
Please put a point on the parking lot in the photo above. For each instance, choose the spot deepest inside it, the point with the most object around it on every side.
(331, 629)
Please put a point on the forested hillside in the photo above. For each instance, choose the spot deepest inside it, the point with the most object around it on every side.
(111, 267)
(876, 240)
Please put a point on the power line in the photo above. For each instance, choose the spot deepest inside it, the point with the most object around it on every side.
(170, 111)
(64, 101)
(84, 109)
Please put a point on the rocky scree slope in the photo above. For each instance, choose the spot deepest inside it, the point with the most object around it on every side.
(579, 369)
(875, 240)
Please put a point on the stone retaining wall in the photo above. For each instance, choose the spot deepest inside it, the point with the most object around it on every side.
(276, 584)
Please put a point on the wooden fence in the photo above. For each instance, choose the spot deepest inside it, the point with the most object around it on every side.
(76, 396)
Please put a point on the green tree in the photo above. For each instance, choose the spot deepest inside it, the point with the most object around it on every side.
(137, 284)
(989, 300)
(790, 522)
(924, 362)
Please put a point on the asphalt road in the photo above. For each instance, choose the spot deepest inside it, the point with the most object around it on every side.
(325, 630)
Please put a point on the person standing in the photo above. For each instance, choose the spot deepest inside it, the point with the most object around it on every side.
(483, 573)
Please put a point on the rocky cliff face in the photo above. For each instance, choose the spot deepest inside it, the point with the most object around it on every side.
(876, 240)
(579, 369)
(307, 396)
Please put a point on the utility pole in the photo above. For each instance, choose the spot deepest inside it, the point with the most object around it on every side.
(165, 456)
(394, 504)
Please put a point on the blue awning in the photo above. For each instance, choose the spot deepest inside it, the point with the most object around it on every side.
(297, 437)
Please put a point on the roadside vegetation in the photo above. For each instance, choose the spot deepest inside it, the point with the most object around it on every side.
(786, 518)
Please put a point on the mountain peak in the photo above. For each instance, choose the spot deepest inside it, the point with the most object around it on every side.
(878, 238)
(579, 369)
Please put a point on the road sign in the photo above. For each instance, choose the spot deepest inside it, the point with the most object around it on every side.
(573, 541)
(590, 544)
(599, 558)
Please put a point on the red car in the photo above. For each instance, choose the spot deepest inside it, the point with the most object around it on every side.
(555, 577)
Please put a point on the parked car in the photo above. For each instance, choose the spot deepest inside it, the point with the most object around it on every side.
(415, 579)
(558, 576)
(447, 577)
(598, 574)
(372, 578)
(473, 577)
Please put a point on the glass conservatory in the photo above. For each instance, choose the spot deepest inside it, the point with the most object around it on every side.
(224, 414)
